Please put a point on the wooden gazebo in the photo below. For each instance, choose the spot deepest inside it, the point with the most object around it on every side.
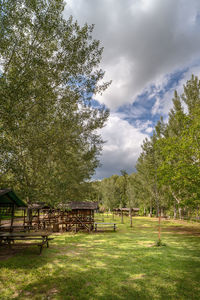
(79, 216)
(73, 216)
(37, 213)
(126, 211)
(9, 202)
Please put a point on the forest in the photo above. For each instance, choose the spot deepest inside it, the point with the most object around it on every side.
(167, 176)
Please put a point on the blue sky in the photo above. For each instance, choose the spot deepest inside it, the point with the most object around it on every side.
(151, 48)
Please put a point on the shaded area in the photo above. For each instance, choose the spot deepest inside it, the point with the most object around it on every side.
(112, 265)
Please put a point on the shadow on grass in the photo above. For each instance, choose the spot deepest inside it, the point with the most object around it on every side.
(122, 265)
(95, 276)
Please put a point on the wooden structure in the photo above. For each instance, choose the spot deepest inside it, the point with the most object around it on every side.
(38, 215)
(9, 202)
(126, 211)
(104, 226)
(72, 216)
(79, 216)
(37, 238)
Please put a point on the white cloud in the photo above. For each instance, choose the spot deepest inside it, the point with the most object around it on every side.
(156, 106)
(149, 130)
(122, 148)
(143, 41)
(164, 104)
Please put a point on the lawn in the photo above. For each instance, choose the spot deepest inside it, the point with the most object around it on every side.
(113, 265)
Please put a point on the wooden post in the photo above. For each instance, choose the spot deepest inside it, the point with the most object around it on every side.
(24, 215)
(29, 216)
(103, 217)
(38, 218)
(12, 217)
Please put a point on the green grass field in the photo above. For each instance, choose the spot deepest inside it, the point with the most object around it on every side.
(113, 265)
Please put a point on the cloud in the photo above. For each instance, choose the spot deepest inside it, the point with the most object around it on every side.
(164, 102)
(143, 41)
(151, 47)
(122, 148)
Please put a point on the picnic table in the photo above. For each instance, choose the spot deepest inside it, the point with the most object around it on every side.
(19, 227)
(102, 226)
(37, 238)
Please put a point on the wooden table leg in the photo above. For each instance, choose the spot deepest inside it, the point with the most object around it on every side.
(41, 246)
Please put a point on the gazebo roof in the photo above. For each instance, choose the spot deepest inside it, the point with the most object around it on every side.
(80, 205)
(38, 205)
(7, 197)
(83, 205)
(126, 209)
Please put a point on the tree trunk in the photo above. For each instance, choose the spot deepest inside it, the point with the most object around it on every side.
(162, 212)
(180, 212)
(175, 210)
(122, 217)
(159, 228)
(150, 210)
(157, 211)
(131, 221)
(188, 214)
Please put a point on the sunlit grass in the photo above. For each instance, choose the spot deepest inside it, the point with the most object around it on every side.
(112, 265)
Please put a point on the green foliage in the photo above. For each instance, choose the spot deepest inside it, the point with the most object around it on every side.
(159, 243)
(49, 74)
(168, 168)
(169, 163)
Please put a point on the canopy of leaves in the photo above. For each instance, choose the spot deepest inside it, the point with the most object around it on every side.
(48, 76)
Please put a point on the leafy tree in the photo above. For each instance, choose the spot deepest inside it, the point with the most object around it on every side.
(179, 169)
(49, 74)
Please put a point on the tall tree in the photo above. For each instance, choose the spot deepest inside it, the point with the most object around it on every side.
(179, 169)
(48, 76)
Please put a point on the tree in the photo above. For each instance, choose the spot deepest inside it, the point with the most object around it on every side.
(179, 169)
(132, 195)
(49, 74)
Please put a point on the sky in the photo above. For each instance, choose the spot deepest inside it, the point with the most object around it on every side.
(151, 48)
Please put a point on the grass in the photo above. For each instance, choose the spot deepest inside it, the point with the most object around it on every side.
(113, 265)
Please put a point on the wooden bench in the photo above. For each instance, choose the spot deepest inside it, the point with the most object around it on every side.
(36, 238)
(104, 226)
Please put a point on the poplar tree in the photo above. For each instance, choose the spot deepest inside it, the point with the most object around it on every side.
(49, 73)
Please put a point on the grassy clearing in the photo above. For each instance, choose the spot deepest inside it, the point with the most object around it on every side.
(111, 265)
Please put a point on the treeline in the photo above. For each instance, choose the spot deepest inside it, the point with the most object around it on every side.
(167, 180)
(49, 72)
